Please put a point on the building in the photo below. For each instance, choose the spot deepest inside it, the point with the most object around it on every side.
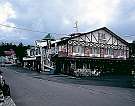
(86, 54)
(36, 56)
(10, 56)
(33, 59)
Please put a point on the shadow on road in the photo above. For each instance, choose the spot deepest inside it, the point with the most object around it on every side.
(111, 81)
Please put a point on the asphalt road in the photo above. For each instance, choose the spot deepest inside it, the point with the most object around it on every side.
(32, 89)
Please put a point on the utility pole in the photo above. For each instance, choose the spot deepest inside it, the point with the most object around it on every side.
(76, 26)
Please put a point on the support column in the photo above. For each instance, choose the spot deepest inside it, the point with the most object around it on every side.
(24, 64)
(42, 65)
(33, 65)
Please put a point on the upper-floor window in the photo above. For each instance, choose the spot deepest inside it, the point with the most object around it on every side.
(110, 52)
(70, 49)
(39, 51)
(36, 51)
(32, 52)
(95, 50)
(63, 48)
(78, 49)
(121, 52)
(101, 37)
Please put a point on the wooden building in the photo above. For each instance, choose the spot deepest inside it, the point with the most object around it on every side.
(86, 54)
(92, 53)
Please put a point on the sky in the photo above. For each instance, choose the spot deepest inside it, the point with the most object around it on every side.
(58, 17)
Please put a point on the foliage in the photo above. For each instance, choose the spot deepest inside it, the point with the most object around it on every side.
(20, 49)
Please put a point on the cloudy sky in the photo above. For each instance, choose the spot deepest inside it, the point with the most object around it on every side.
(59, 16)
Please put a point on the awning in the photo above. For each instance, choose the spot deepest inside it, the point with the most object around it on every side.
(29, 58)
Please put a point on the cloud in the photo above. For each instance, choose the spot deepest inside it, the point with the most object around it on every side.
(59, 16)
(97, 13)
(6, 13)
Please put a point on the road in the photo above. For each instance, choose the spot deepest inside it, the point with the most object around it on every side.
(33, 89)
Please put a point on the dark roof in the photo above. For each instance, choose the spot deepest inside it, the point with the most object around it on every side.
(48, 37)
(9, 53)
(74, 35)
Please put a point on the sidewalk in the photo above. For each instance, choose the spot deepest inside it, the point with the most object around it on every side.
(8, 102)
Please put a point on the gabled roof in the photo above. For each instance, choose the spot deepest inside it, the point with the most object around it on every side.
(103, 28)
(116, 36)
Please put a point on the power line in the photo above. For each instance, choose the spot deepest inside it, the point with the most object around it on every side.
(30, 30)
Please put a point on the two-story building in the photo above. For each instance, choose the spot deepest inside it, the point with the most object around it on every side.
(37, 56)
(83, 54)
(33, 59)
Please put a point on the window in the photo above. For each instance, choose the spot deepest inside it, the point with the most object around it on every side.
(63, 48)
(81, 49)
(90, 50)
(106, 51)
(32, 52)
(78, 49)
(110, 51)
(122, 52)
(101, 36)
(36, 51)
(69, 49)
(39, 51)
(87, 51)
(95, 50)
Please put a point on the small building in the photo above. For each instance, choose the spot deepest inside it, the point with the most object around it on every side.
(36, 55)
(10, 56)
(33, 59)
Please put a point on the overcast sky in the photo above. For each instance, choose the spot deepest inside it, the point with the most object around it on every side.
(59, 16)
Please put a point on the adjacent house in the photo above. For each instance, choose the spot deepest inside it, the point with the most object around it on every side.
(36, 55)
(10, 56)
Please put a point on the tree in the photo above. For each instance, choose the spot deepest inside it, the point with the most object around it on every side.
(20, 49)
